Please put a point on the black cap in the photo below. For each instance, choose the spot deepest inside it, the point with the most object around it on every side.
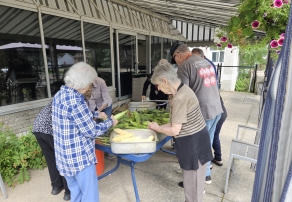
(173, 49)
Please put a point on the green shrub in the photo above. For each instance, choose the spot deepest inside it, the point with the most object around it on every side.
(243, 80)
(17, 155)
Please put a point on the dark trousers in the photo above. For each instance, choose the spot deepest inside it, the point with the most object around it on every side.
(46, 143)
(216, 141)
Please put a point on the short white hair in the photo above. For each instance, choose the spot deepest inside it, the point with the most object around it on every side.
(164, 70)
(80, 76)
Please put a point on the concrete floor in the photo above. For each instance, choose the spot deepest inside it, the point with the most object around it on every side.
(157, 178)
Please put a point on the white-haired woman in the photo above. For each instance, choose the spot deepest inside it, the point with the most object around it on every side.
(74, 133)
(192, 141)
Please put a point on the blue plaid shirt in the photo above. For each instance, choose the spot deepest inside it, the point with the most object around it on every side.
(74, 131)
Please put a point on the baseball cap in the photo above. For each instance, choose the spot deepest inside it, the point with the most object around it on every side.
(173, 49)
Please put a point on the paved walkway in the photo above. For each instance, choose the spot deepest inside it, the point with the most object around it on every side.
(157, 178)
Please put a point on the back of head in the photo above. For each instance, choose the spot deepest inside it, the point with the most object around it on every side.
(178, 47)
(198, 51)
(183, 48)
(80, 76)
(164, 70)
(163, 61)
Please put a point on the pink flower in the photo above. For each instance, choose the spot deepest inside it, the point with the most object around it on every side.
(286, 1)
(282, 35)
(219, 45)
(229, 45)
(224, 39)
(255, 24)
(278, 3)
(274, 44)
(278, 51)
(280, 41)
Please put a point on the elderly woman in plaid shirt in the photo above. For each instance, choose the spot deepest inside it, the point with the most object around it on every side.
(74, 133)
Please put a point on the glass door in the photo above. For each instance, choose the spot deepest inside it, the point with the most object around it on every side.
(125, 63)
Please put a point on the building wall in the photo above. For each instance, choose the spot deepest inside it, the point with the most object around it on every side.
(20, 122)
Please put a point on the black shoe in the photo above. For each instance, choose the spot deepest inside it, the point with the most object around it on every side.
(67, 197)
(208, 180)
(218, 163)
(57, 190)
(181, 184)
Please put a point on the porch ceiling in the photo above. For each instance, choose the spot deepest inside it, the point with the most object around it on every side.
(211, 13)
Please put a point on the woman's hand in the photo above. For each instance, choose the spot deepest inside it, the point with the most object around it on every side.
(102, 115)
(153, 126)
(115, 122)
(143, 97)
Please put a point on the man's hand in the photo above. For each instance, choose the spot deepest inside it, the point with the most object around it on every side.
(115, 122)
(102, 115)
(143, 97)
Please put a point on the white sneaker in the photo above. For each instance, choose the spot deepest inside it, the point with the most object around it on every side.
(179, 171)
(111, 156)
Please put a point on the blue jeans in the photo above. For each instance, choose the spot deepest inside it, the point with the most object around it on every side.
(211, 126)
(84, 185)
(108, 111)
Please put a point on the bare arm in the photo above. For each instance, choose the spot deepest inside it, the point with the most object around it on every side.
(171, 129)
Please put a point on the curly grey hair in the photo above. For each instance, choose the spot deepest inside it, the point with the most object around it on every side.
(80, 76)
(164, 70)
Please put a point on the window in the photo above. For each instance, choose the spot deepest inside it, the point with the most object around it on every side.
(166, 49)
(155, 51)
(218, 56)
(22, 73)
(64, 47)
(98, 52)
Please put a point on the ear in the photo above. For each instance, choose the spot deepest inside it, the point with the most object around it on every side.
(164, 80)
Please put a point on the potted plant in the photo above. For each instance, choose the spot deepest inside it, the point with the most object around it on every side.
(3, 98)
(26, 94)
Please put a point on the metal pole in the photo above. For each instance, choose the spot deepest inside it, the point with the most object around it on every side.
(112, 56)
(83, 42)
(161, 42)
(44, 51)
(118, 65)
(149, 54)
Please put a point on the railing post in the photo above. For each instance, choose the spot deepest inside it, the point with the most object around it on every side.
(255, 77)
(219, 68)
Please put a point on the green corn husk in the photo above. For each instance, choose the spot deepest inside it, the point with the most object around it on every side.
(120, 115)
(137, 117)
(145, 123)
(134, 123)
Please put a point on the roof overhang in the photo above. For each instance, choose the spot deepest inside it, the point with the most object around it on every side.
(211, 13)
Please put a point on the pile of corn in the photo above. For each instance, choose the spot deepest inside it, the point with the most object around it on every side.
(125, 136)
(141, 119)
